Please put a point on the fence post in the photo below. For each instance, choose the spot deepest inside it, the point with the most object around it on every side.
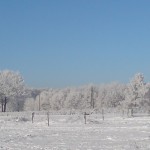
(48, 118)
(32, 117)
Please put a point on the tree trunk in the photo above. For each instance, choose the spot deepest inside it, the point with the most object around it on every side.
(2, 104)
(5, 103)
(18, 105)
(123, 113)
(103, 114)
(131, 112)
(85, 117)
(128, 112)
(48, 118)
(92, 99)
(2, 107)
(39, 102)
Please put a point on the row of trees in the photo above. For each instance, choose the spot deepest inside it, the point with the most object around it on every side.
(123, 97)
(17, 96)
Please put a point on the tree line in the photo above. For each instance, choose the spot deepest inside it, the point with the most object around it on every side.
(132, 96)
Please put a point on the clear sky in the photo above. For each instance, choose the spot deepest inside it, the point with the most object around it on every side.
(60, 43)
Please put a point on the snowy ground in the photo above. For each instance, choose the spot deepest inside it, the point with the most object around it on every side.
(68, 132)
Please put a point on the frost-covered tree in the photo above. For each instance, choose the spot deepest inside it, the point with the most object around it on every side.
(60, 99)
(44, 100)
(135, 92)
(146, 102)
(73, 99)
(115, 94)
(34, 94)
(29, 104)
(90, 94)
(12, 87)
(93, 96)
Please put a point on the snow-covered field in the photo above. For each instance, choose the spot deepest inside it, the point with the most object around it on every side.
(68, 132)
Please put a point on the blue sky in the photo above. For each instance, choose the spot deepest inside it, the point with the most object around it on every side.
(60, 43)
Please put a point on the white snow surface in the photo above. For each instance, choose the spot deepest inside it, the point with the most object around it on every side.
(68, 132)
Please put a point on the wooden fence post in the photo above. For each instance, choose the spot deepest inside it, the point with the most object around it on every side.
(48, 118)
(32, 117)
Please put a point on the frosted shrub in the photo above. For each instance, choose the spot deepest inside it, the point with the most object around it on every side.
(22, 119)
